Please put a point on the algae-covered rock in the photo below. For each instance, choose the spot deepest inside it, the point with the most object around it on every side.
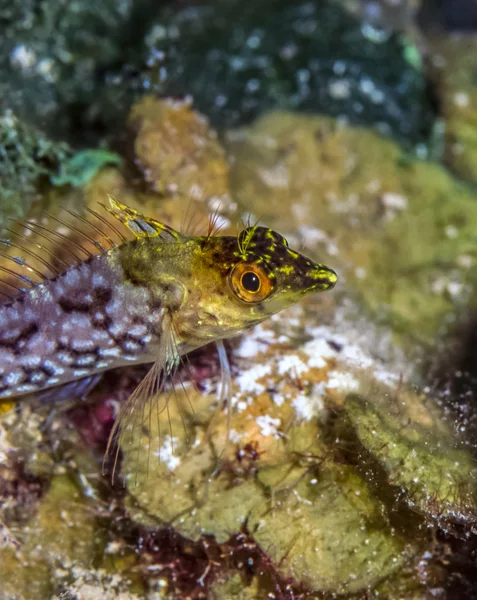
(180, 157)
(311, 56)
(61, 535)
(418, 454)
(401, 232)
(61, 80)
(321, 480)
(89, 584)
(234, 587)
(329, 533)
(177, 151)
(276, 479)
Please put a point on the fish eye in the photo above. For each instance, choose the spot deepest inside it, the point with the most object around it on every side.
(250, 282)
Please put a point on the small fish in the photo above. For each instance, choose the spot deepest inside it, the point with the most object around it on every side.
(149, 299)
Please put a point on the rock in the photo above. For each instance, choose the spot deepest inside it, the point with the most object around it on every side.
(177, 151)
(289, 470)
(61, 534)
(310, 56)
(421, 459)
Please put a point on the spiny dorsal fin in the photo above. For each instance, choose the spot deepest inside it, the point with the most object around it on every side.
(140, 225)
(42, 248)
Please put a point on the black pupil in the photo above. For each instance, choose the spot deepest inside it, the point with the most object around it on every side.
(250, 282)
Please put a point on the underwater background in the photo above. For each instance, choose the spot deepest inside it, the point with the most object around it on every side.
(351, 128)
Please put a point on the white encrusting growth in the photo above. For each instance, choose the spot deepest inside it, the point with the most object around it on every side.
(309, 406)
(249, 381)
(340, 356)
(166, 453)
(268, 425)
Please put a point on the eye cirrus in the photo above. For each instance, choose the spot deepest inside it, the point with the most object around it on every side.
(250, 282)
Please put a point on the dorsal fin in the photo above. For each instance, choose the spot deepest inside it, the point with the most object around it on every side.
(140, 225)
(41, 249)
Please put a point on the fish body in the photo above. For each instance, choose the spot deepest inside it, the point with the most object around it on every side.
(152, 298)
(78, 324)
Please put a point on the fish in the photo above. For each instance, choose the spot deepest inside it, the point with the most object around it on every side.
(152, 296)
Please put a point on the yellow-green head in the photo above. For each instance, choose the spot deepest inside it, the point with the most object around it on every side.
(218, 286)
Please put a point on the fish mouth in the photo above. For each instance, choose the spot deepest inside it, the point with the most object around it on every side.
(323, 277)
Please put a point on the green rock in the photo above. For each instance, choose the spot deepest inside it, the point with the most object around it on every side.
(420, 459)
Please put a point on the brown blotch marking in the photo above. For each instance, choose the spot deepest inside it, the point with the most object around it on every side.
(24, 335)
(68, 305)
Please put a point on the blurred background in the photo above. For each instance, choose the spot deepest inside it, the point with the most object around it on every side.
(350, 127)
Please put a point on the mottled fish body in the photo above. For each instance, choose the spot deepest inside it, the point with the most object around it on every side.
(84, 321)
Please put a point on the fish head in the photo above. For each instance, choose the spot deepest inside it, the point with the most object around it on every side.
(246, 279)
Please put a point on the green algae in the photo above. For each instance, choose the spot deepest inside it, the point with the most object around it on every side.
(83, 166)
(27, 155)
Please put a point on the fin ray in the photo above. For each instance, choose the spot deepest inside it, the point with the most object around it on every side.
(48, 251)
(23, 248)
(134, 413)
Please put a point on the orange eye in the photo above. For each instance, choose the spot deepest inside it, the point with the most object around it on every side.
(250, 282)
